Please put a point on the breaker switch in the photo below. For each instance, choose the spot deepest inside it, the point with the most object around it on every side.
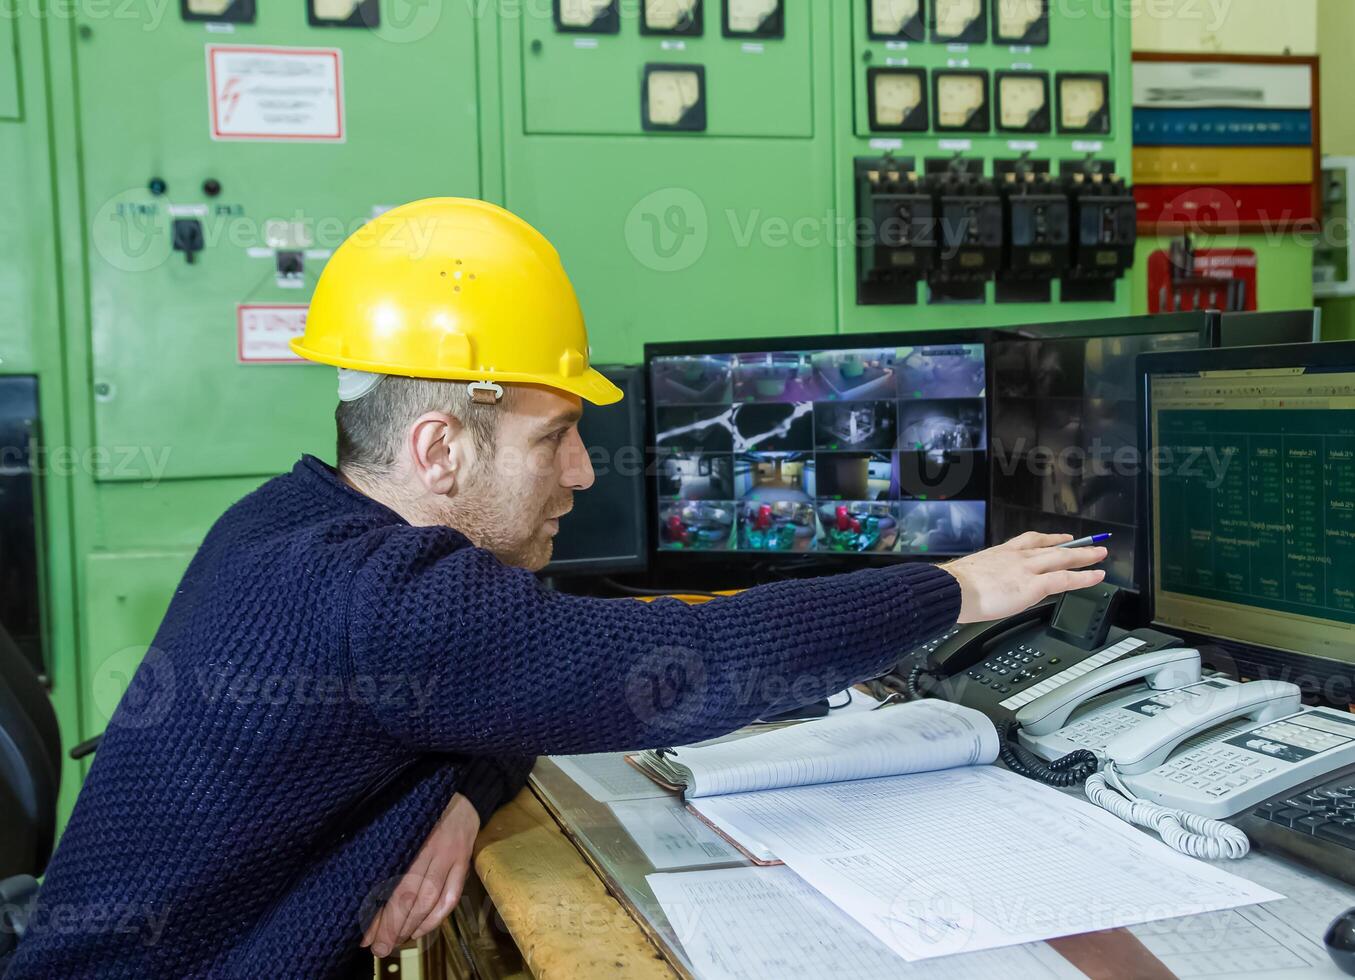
(187, 237)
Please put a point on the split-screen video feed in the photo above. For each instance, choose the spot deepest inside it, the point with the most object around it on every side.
(876, 450)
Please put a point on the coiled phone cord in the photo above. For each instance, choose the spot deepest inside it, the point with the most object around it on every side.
(1189, 833)
(1070, 770)
(911, 683)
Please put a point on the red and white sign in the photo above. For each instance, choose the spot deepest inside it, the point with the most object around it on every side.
(1219, 279)
(263, 331)
(271, 93)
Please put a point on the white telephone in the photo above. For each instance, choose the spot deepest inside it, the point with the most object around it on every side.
(1179, 752)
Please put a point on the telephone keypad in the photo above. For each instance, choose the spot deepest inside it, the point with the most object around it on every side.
(1215, 777)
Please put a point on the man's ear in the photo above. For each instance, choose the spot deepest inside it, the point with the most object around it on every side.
(441, 452)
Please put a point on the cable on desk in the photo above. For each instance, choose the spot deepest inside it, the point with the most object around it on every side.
(1071, 770)
(1189, 833)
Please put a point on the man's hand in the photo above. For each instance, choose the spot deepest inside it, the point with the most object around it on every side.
(1005, 580)
(431, 887)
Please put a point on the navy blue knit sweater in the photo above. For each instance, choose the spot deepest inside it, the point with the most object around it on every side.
(327, 676)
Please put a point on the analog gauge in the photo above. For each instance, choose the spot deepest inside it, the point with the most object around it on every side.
(958, 22)
(235, 11)
(1084, 103)
(587, 16)
(343, 13)
(1021, 21)
(671, 17)
(674, 97)
(891, 20)
(962, 101)
(898, 99)
(1023, 102)
(755, 18)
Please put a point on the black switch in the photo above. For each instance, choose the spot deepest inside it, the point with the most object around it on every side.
(289, 265)
(188, 237)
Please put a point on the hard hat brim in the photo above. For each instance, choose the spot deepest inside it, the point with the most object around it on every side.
(592, 385)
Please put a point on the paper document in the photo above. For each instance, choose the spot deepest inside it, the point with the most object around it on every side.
(608, 777)
(914, 737)
(672, 836)
(1280, 940)
(966, 859)
(753, 923)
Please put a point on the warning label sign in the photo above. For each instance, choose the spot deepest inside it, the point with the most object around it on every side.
(272, 93)
(264, 330)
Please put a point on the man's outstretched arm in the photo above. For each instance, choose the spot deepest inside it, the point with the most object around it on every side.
(504, 667)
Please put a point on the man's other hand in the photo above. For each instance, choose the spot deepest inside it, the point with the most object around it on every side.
(1005, 580)
(430, 889)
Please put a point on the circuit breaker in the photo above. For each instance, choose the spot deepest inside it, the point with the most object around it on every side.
(1105, 230)
(969, 231)
(897, 230)
(1002, 93)
(1036, 215)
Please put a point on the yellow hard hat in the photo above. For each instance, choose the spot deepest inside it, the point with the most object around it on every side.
(456, 289)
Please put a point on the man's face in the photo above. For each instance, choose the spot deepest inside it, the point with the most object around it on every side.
(511, 503)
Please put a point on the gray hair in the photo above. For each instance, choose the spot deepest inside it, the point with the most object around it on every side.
(372, 428)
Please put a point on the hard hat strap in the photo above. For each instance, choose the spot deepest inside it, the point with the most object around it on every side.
(485, 392)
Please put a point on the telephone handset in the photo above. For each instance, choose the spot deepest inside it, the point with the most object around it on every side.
(1163, 670)
(1178, 754)
(1149, 745)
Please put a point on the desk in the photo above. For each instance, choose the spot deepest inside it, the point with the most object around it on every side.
(568, 883)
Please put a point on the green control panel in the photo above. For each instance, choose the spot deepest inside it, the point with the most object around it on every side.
(988, 150)
(706, 168)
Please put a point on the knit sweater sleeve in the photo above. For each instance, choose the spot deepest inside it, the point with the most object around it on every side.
(489, 783)
(464, 654)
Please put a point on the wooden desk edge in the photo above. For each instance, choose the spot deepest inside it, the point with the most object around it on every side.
(553, 903)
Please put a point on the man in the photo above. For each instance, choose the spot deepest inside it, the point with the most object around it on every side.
(359, 667)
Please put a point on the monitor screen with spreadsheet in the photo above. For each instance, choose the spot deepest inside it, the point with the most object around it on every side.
(1250, 478)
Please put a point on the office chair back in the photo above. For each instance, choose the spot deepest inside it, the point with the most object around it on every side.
(30, 765)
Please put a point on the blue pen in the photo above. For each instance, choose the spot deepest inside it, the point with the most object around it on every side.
(1087, 542)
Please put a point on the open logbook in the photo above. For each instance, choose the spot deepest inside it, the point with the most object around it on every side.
(892, 741)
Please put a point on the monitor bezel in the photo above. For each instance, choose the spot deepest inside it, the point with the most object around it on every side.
(1203, 323)
(1321, 677)
(631, 378)
(826, 341)
(1313, 316)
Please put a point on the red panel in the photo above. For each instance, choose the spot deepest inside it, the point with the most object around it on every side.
(1276, 206)
(1220, 279)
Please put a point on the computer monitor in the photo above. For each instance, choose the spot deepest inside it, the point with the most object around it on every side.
(1250, 497)
(1064, 438)
(870, 445)
(605, 532)
(1255, 329)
